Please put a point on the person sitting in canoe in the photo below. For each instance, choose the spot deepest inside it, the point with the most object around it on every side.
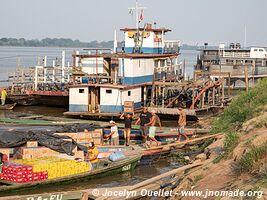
(3, 97)
(152, 129)
(181, 123)
(92, 155)
(114, 134)
(143, 119)
(128, 119)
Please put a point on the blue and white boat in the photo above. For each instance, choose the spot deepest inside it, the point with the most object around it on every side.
(109, 78)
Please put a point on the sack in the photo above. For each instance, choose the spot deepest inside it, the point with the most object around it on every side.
(116, 156)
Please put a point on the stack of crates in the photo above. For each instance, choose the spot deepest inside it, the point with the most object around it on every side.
(20, 173)
(32, 150)
(128, 106)
(84, 138)
(56, 167)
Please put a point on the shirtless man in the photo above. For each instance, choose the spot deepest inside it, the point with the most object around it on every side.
(182, 123)
(152, 129)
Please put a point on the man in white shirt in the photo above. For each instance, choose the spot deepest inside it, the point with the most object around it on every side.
(114, 135)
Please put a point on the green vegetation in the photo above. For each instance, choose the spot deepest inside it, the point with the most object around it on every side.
(261, 123)
(197, 179)
(250, 161)
(231, 140)
(55, 42)
(243, 108)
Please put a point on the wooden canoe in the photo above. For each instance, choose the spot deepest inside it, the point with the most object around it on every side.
(109, 168)
(7, 106)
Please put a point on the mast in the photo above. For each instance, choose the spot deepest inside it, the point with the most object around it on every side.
(136, 15)
(245, 42)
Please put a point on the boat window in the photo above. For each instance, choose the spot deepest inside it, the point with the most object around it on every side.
(129, 93)
(162, 63)
(156, 63)
(255, 50)
(81, 90)
(109, 91)
(261, 50)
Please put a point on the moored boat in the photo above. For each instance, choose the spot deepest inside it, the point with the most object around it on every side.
(105, 169)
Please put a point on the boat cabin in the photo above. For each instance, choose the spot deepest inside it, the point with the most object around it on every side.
(103, 98)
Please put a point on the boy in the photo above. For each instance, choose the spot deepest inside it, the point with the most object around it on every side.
(114, 134)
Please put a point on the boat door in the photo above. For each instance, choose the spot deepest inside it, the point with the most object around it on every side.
(93, 99)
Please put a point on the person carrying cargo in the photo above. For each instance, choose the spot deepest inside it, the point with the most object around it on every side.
(3, 96)
(144, 119)
(92, 155)
(114, 134)
(181, 123)
(152, 129)
(128, 119)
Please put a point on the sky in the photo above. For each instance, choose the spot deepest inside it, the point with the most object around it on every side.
(191, 21)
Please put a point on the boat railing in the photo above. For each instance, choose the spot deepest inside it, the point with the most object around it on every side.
(235, 54)
(171, 46)
(93, 51)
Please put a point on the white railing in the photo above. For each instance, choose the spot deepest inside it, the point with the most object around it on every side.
(235, 54)
(171, 43)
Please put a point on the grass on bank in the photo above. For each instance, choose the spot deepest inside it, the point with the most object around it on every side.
(250, 160)
(246, 106)
(242, 108)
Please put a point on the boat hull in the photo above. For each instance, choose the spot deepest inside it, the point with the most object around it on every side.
(115, 168)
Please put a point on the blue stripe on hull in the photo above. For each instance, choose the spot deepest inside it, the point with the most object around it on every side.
(111, 108)
(137, 80)
(116, 108)
(78, 108)
(146, 50)
(103, 108)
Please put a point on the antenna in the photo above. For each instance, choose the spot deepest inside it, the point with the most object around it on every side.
(136, 9)
(245, 41)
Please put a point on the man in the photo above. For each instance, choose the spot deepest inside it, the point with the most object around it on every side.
(3, 96)
(92, 155)
(143, 119)
(114, 134)
(182, 123)
(152, 128)
(128, 119)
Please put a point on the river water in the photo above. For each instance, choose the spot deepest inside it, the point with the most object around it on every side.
(12, 57)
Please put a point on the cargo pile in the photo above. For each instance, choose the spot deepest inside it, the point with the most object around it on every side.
(32, 150)
(20, 173)
(84, 138)
(128, 106)
(55, 167)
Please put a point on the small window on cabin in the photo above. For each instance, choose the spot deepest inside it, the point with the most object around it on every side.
(81, 90)
(109, 91)
(156, 63)
(261, 50)
(255, 50)
(129, 93)
(162, 63)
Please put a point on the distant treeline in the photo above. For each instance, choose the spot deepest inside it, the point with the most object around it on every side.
(62, 42)
(54, 42)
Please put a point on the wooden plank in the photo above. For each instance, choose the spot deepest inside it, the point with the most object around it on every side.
(184, 142)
